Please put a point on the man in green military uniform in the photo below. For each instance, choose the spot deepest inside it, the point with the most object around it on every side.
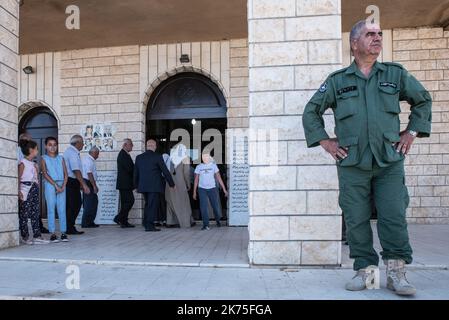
(369, 151)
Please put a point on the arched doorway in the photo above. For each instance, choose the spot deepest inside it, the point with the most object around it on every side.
(193, 102)
(40, 123)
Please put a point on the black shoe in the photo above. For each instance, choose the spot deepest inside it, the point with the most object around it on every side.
(157, 224)
(64, 238)
(193, 224)
(152, 230)
(88, 227)
(173, 226)
(95, 225)
(44, 230)
(116, 220)
(218, 224)
(54, 238)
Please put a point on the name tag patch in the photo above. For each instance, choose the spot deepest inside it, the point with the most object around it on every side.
(389, 84)
(347, 89)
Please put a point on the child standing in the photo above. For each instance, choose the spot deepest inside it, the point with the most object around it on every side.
(205, 175)
(29, 194)
(55, 174)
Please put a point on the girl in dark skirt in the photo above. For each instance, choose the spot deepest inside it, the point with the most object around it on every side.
(29, 195)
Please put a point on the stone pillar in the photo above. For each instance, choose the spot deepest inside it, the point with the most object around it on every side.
(294, 213)
(9, 44)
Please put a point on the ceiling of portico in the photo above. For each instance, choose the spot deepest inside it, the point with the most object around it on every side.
(124, 22)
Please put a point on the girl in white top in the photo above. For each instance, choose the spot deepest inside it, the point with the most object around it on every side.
(29, 194)
(206, 174)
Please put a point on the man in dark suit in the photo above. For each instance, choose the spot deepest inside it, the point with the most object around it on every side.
(125, 183)
(149, 172)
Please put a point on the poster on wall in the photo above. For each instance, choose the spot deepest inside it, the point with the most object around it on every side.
(100, 135)
(108, 198)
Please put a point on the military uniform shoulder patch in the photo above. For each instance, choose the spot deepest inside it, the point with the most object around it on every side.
(323, 87)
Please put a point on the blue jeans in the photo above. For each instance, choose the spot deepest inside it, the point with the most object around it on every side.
(58, 201)
(212, 195)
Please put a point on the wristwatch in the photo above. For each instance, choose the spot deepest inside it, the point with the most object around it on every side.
(413, 133)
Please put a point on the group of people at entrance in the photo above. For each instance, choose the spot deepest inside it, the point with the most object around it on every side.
(164, 181)
(161, 179)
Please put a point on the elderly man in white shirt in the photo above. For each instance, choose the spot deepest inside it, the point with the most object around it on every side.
(90, 200)
(74, 183)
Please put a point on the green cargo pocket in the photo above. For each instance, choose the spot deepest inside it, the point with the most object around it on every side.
(352, 143)
(390, 99)
(390, 153)
(346, 105)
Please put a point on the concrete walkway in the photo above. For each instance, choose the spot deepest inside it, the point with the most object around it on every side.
(25, 280)
(218, 247)
(112, 245)
(119, 263)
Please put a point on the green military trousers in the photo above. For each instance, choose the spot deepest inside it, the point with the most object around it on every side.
(386, 187)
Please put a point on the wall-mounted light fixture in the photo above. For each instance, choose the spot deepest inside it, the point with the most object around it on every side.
(184, 58)
(28, 70)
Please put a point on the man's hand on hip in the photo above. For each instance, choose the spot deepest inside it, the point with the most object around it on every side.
(405, 143)
(333, 148)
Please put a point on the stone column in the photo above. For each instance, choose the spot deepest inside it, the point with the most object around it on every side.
(9, 44)
(294, 213)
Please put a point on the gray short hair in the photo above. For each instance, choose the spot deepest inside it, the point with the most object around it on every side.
(94, 150)
(356, 30)
(76, 139)
(127, 140)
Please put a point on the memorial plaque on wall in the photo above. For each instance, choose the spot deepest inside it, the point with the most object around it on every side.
(100, 135)
(108, 198)
(238, 186)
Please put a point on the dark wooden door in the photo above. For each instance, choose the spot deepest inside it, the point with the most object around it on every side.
(40, 124)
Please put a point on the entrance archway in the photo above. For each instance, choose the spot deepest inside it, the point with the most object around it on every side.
(194, 103)
(39, 122)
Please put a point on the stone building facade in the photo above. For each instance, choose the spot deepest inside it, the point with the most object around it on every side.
(9, 50)
(266, 79)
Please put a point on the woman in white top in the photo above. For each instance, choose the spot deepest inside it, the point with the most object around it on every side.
(29, 194)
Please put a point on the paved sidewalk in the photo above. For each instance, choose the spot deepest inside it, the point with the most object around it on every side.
(47, 280)
(218, 247)
(191, 264)
(172, 246)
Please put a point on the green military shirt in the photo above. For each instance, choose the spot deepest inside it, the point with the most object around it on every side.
(366, 112)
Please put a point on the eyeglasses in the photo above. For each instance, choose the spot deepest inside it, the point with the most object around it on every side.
(373, 34)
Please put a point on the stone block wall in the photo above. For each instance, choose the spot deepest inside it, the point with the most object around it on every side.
(9, 48)
(294, 215)
(425, 53)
